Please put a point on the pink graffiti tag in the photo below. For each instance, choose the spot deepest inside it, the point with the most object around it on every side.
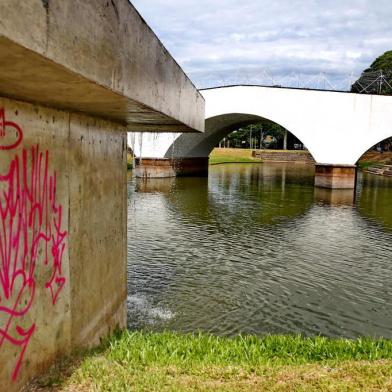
(7, 127)
(32, 240)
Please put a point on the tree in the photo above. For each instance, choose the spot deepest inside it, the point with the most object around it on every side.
(377, 79)
(240, 138)
(382, 63)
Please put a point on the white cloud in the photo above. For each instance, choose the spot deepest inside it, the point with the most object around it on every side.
(210, 37)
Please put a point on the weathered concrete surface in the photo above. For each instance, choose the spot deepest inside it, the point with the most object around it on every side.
(335, 176)
(68, 290)
(167, 167)
(98, 57)
(98, 217)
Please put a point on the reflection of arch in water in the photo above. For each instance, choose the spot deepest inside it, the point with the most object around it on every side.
(374, 197)
(273, 192)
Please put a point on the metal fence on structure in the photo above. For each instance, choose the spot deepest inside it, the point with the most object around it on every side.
(374, 82)
(377, 82)
(265, 77)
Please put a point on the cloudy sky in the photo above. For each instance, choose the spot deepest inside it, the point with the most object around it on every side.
(287, 42)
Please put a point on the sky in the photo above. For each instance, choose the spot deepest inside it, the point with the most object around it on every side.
(304, 43)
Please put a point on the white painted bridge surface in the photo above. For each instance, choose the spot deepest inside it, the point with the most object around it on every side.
(336, 127)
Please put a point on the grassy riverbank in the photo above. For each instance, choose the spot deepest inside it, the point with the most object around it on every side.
(234, 155)
(375, 158)
(174, 362)
(231, 155)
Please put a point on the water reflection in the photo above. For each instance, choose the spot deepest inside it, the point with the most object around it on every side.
(335, 197)
(257, 249)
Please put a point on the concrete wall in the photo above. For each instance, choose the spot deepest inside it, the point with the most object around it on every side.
(62, 235)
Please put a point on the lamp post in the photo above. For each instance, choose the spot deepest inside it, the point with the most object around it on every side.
(285, 140)
(261, 136)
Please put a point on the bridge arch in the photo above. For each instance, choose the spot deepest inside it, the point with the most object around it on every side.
(373, 142)
(216, 128)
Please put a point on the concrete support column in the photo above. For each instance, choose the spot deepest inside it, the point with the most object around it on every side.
(335, 176)
(170, 167)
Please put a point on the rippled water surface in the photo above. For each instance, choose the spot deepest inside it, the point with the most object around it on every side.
(255, 248)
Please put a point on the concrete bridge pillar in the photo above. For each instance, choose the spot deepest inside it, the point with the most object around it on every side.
(333, 176)
(170, 167)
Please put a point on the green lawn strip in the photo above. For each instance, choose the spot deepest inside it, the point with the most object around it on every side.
(170, 361)
(216, 160)
(363, 165)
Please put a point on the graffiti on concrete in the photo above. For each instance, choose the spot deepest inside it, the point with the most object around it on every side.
(32, 240)
(7, 131)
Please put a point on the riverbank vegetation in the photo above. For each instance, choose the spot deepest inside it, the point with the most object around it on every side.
(142, 361)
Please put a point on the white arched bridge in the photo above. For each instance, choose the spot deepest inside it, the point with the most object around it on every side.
(336, 127)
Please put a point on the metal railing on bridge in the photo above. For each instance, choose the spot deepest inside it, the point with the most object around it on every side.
(378, 82)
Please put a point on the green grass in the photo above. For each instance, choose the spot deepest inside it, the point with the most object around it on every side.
(143, 361)
(365, 164)
(241, 155)
(232, 155)
(229, 159)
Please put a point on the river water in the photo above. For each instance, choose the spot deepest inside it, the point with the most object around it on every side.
(255, 248)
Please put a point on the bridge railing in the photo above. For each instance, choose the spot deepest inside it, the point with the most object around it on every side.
(379, 82)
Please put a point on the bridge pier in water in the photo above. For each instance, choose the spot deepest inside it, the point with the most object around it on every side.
(333, 176)
(170, 167)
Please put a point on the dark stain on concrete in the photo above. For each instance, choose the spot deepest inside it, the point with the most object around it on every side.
(45, 3)
(115, 9)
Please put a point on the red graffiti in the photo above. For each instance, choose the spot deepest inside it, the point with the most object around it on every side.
(5, 130)
(32, 241)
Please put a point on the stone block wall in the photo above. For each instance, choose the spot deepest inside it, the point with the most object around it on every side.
(283, 156)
